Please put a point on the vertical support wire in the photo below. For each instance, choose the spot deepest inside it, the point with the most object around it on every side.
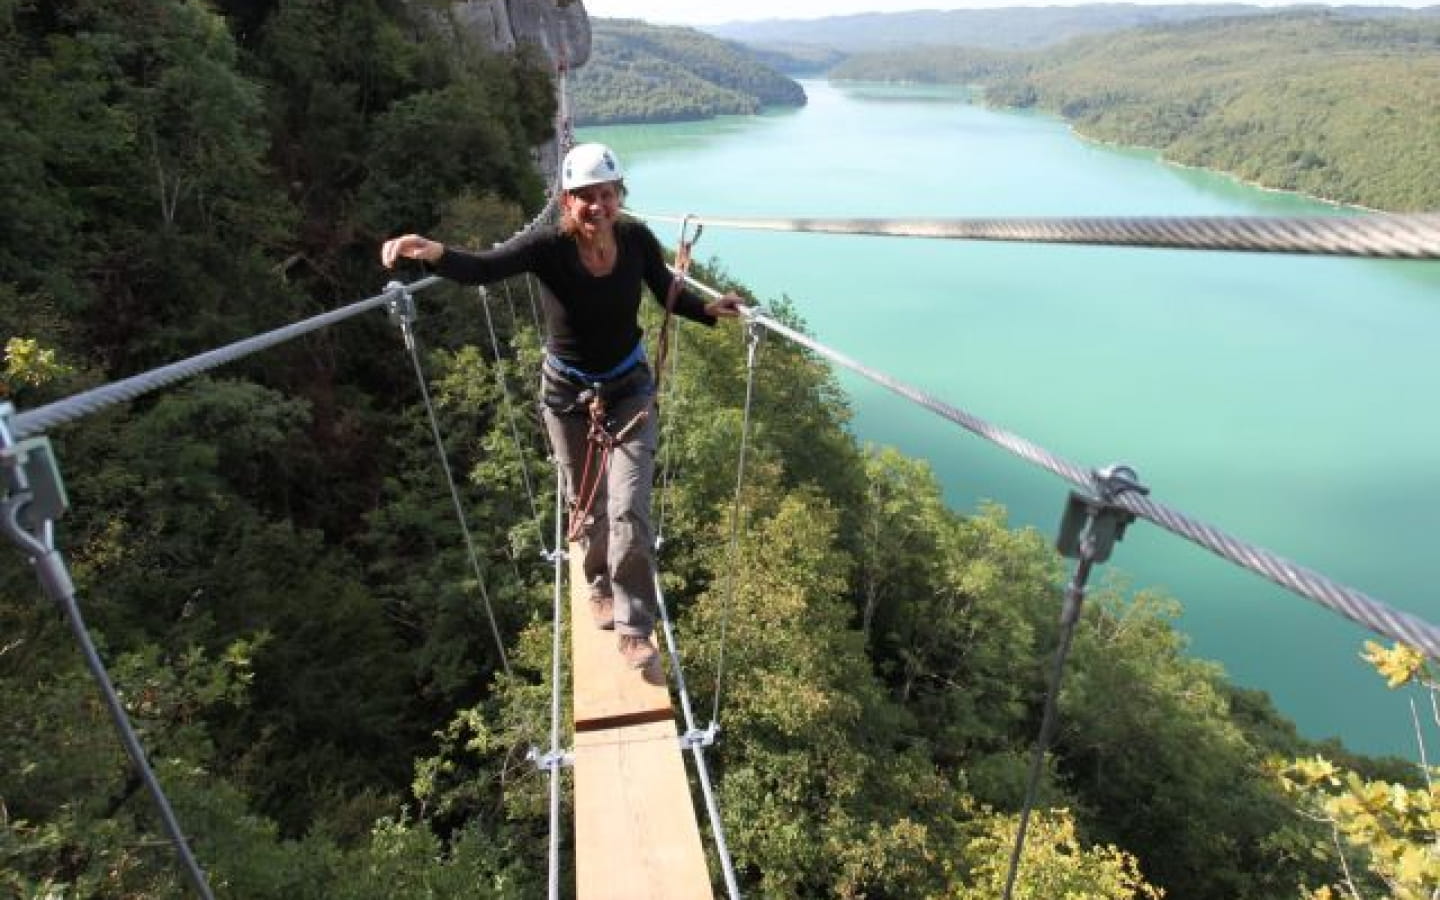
(534, 310)
(752, 339)
(665, 442)
(693, 737)
(510, 303)
(558, 557)
(408, 331)
(514, 428)
(1069, 617)
(55, 579)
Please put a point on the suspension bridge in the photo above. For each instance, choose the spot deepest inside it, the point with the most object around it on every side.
(627, 740)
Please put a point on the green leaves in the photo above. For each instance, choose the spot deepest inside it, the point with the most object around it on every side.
(645, 73)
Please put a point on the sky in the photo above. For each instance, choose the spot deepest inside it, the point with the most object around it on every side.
(714, 12)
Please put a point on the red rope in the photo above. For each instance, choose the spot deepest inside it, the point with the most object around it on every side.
(682, 270)
(599, 444)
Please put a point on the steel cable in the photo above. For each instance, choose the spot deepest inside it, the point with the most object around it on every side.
(1346, 601)
(696, 742)
(412, 345)
(514, 427)
(733, 552)
(1390, 236)
(43, 418)
(557, 557)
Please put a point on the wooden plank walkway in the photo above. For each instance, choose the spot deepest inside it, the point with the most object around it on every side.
(635, 830)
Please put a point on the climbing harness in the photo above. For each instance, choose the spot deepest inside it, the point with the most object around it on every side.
(600, 444)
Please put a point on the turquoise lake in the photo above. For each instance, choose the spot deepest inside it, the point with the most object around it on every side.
(1288, 400)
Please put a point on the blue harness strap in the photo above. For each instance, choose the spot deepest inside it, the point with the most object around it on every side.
(634, 359)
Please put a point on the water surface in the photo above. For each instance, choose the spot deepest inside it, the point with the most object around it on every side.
(1288, 400)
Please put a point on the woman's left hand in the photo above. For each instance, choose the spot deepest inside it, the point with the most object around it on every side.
(727, 307)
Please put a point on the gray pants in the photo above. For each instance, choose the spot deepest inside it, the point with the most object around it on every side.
(617, 544)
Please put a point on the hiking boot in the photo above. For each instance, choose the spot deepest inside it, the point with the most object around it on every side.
(602, 609)
(639, 653)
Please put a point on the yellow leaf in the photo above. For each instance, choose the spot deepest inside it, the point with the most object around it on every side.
(1399, 665)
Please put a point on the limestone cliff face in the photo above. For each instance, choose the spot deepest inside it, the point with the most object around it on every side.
(560, 28)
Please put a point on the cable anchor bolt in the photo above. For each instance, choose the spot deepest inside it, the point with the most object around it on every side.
(1092, 525)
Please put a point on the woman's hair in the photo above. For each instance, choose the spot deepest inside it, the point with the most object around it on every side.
(569, 226)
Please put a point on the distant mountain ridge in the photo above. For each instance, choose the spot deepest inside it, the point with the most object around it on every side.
(1334, 106)
(648, 73)
(1018, 28)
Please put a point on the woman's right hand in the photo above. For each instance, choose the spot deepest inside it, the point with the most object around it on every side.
(410, 246)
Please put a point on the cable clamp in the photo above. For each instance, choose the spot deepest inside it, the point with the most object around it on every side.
(401, 305)
(33, 483)
(754, 334)
(549, 762)
(697, 737)
(1091, 526)
(554, 556)
(33, 498)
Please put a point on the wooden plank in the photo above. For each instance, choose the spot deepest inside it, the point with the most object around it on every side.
(607, 692)
(635, 830)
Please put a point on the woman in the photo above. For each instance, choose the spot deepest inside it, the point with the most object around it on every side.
(592, 265)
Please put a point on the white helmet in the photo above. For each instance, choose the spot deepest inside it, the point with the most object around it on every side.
(588, 164)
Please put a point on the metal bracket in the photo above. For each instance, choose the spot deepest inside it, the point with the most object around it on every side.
(697, 737)
(549, 762)
(559, 554)
(33, 498)
(754, 334)
(401, 305)
(1091, 527)
(35, 483)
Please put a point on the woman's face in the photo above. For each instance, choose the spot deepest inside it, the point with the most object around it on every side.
(593, 208)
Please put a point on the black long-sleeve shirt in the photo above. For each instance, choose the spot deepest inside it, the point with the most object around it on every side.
(593, 321)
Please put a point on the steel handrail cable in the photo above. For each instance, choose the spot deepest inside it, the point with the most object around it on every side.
(77, 406)
(1383, 235)
(1353, 604)
(510, 414)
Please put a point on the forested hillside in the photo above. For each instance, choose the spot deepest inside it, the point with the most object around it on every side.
(1341, 108)
(1001, 28)
(647, 73)
(270, 564)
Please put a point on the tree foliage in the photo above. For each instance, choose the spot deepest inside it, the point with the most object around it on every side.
(648, 73)
(271, 565)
